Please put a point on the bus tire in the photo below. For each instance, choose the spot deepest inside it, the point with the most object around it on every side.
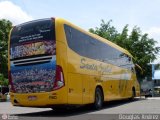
(133, 94)
(98, 101)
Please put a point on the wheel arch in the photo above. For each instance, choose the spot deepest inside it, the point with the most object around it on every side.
(134, 90)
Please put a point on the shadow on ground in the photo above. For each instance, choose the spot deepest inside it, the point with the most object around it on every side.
(76, 111)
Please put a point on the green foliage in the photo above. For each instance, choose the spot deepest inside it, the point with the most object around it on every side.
(106, 31)
(3, 80)
(139, 45)
(5, 27)
(157, 67)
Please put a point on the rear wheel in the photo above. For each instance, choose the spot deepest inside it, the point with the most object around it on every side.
(133, 94)
(98, 102)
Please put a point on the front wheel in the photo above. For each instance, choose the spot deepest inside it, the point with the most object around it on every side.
(98, 102)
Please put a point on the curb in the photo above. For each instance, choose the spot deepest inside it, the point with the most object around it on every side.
(153, 98)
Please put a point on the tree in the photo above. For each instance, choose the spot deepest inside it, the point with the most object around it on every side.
(5, 27)
(139, 45)
(106, 31)
(3, 81)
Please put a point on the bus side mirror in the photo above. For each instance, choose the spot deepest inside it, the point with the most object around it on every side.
(138, 68)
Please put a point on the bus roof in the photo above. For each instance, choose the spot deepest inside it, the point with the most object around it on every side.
(62, 21)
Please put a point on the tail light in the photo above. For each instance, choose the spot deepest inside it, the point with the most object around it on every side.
(10, 82)
(59, 78)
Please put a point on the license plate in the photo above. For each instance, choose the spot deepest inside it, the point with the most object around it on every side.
(32, 98)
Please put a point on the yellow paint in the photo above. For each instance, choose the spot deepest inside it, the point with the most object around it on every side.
(80, 82)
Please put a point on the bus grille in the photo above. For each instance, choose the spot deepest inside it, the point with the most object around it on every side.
(29, 61)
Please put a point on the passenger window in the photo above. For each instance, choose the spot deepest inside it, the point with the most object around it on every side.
(90, 47)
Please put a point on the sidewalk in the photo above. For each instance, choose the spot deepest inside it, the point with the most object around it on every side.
(149, 98)
(153, 98)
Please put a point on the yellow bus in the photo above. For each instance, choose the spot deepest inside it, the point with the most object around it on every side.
(54, 63)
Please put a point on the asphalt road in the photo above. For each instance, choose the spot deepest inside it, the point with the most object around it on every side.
(111, 111)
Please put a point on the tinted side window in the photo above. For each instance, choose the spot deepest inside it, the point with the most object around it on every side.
(90, 47)
(81, 43)
(93, 50)
(75, 41)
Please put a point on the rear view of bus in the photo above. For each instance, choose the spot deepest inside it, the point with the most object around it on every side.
(33, 71)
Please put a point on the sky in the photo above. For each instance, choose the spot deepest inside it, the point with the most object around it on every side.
(88, 13)
(157, 74)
